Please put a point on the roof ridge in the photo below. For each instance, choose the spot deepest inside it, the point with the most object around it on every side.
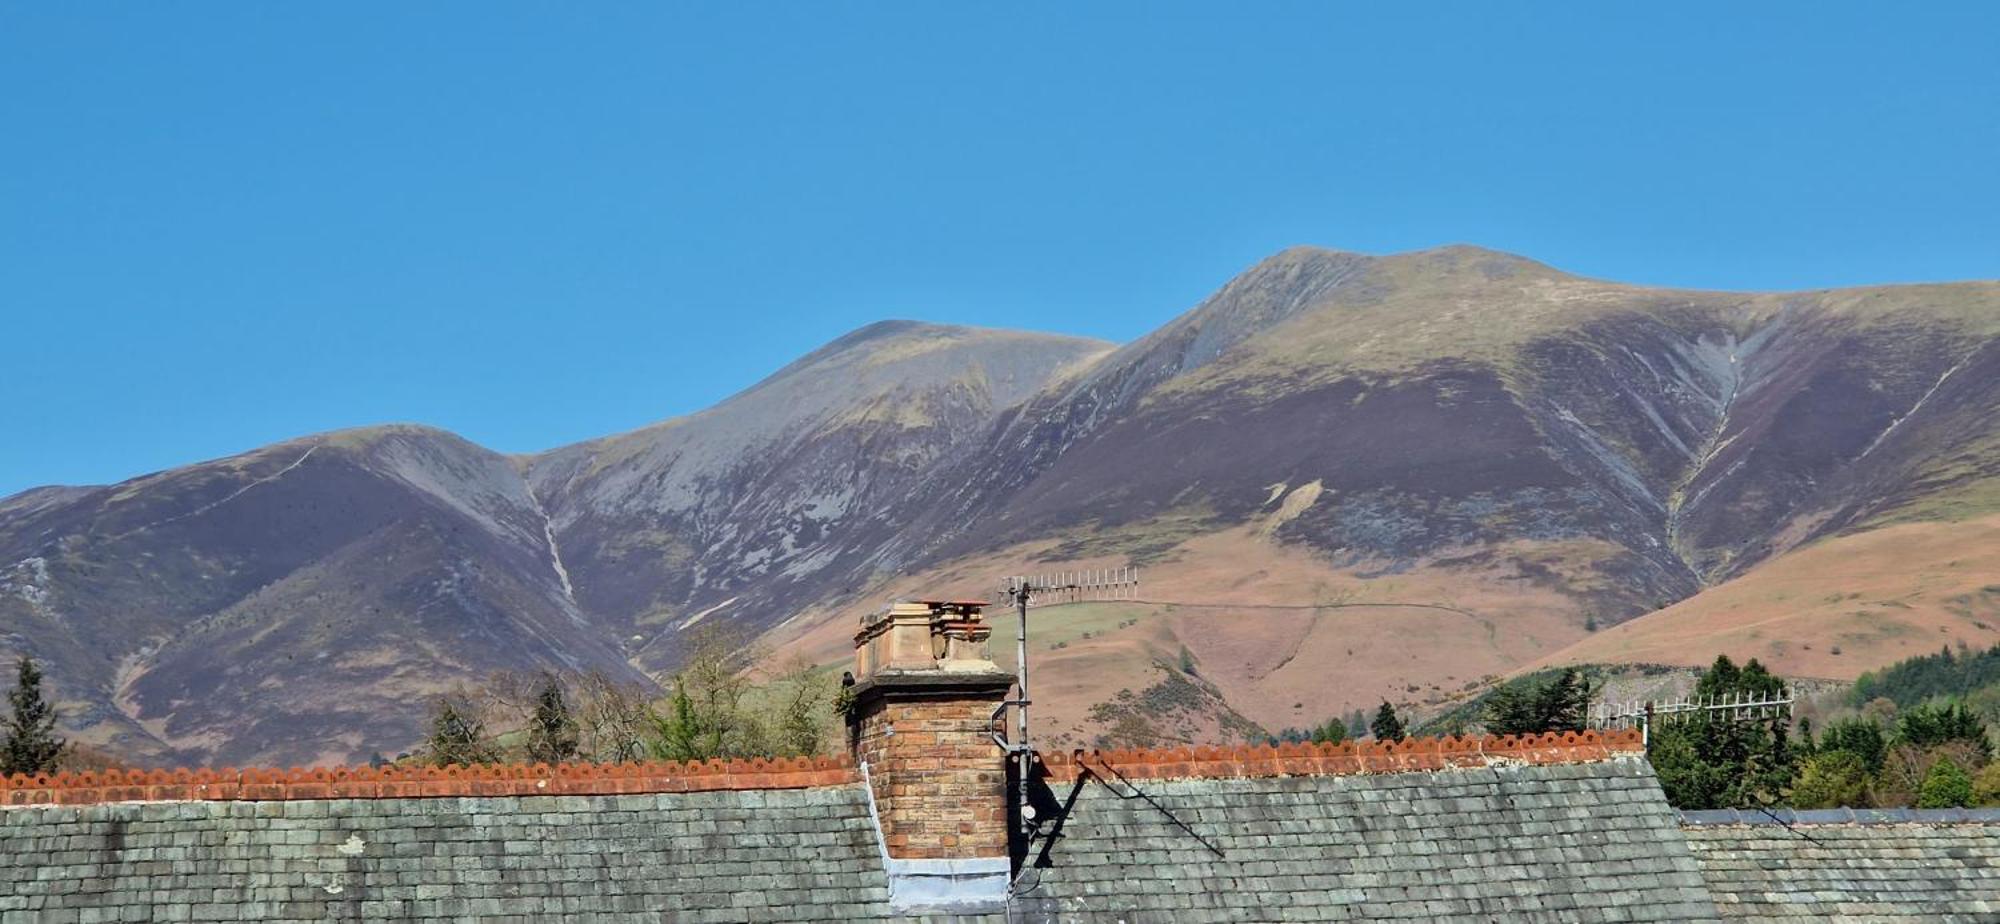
(1356, 757)
(1839, 816)
(539, 779)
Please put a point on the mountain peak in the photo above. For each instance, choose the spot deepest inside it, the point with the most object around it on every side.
(889, 329)
(1485, 260)
(901, 329)
(373, 433)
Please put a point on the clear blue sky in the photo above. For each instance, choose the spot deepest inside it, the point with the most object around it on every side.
(222, 226)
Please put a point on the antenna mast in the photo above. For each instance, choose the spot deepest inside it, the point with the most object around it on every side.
(1048, 590)
(1734, 707)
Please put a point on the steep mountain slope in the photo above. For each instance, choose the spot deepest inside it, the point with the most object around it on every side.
(301, 602)
(1486, 458)
(790, 491)
(286, 604)
(1350, 478)
(1416, 407)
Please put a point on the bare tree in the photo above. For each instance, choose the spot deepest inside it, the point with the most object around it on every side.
(458, 732)
(705, 715)
(612, 717)
(801, 709)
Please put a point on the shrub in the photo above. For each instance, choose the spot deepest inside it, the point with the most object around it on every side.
(1907, 767)
(1831, 779)
(1986, 786)
(1946, 786)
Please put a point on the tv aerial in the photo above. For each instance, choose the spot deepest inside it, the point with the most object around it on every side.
(1043, 590)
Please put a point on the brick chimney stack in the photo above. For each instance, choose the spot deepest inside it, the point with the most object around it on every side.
(921, 724)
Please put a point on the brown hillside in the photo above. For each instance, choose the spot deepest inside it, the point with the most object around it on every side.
(1830, 610)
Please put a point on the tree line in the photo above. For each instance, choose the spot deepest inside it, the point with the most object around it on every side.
(1961, 675)
(1387, 726)
(1918, 743)
(714, 707)
(1912, 735)
(1932, 754)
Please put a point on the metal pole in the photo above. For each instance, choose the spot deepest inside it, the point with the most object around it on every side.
(1023, 757)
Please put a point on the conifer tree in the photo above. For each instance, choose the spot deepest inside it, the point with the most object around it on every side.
(1526, 707)
(1710, 760)
(28, 742)
(552, 731)
(1929, 725)
(1387, 727)
(1858, 736)
(1334, 731)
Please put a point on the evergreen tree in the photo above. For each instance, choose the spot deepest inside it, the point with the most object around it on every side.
(1528, 707)
(1333, 731)
(1724, 678)
(1387, 727)
(1948, 674)
(552, 731)
(28, 742)
(1860, 737)
(1714, 760)
(1928, 726)
(458, 736)
(1509, 711)
(1946, 786)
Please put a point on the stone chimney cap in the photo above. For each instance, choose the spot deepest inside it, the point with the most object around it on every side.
(933, 608)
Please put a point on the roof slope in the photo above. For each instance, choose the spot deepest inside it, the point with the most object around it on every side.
(724, 856)
(1890, 866)
(1517, 839)
(1578, 842)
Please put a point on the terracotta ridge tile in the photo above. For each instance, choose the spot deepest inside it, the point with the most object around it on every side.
(1353, 757)
(297, 783)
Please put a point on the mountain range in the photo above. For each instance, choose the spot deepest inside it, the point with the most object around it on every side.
(1346, 478)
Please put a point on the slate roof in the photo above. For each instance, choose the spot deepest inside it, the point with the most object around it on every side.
(1851, 866)
(1508, 841)
(1580, 842)
(728, 856)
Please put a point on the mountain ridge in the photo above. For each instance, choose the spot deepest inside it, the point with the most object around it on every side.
(1421, 427)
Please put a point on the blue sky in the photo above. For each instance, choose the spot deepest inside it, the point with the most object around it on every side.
(221, 226)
